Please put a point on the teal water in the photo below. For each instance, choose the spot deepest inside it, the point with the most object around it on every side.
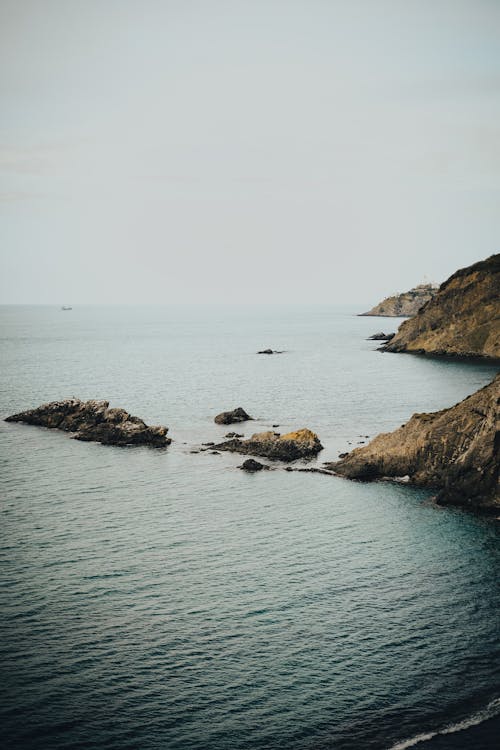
(165, 599)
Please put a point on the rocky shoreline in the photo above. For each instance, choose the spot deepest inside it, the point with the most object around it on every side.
(455, 451)
(461, 320)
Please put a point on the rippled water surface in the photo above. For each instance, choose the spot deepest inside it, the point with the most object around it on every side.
(165, 599)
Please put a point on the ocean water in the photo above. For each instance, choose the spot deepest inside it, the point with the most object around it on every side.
(164, 599)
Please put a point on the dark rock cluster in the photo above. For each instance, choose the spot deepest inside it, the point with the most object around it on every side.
(232, 417)
(94, 421)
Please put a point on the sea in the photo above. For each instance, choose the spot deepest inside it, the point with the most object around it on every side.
(163, 599)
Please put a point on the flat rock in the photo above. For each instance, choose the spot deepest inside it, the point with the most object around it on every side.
(270, 351)
(232, 417)
(94, 421)
(300, 444)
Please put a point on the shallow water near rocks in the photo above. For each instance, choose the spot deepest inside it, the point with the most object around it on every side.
(165, 599)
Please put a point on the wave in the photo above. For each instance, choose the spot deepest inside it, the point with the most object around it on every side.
(488, 712)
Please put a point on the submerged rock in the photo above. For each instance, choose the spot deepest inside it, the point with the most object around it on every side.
(270, 351)
(456, 451)
(300, 444)
(94, 421)
(252, 466)
(234, 435)
(462, 319)
(232, 417)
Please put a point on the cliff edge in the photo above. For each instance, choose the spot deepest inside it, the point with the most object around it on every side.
(462, 319)
(455, 450)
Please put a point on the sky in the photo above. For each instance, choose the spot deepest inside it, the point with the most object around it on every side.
(245, 151)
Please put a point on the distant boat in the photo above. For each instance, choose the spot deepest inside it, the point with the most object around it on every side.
(66, 307)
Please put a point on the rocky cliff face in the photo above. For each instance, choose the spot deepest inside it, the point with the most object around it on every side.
(94, 421)
(462, 319)
(455, 450)
(404, 305)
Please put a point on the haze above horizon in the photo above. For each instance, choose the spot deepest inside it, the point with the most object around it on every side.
(245, 151)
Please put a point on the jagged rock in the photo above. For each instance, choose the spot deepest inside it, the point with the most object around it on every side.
(403, 305)
(456, 451)
(252, 466)
(300, 444)
(232, 417)
(381, 336)
(462, 319)
(234, 435)
(94, 421)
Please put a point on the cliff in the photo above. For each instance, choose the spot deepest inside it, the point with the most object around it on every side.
(404, 305)
(462, 319)
(455, 450)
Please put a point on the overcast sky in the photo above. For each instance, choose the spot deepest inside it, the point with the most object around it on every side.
(254, 150)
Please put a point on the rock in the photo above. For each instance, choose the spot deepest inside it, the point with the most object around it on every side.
(207, 445)
(94, 421)
(343, 455)
(251, 465)
(462, 319)
(270, 351)
(403, 305)
(232, 417)
(381, 336)
(275, 425)
(234, 435)
(456, 451)
(300, 444)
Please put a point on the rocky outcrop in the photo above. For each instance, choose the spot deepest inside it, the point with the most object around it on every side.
(232, 417)
(270, 351)
(463, 319)
(94, 421)
(381, 336)
(300, 444)
(455, 450)
(251, 465)
(404, 305)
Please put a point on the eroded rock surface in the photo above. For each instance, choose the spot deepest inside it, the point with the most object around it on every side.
(300, 444)
(232, 417)
(462, 319)
(455, 450)
(94, 421)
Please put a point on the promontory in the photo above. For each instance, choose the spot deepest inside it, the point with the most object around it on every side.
(462, 319)
(455, 450)
(403, 305)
